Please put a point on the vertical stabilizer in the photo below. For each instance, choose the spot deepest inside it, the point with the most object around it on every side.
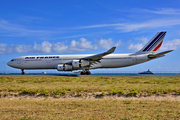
(154, 44)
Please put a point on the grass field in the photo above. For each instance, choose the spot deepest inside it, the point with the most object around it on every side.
(88, 109)
(57, 86)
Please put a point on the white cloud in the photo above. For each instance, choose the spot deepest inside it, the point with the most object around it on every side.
(2, 48)
(119, 43)
(138, 46)
(16, 30)
(58, 47)
(165, 11)
(129, 27)
(135, 47)
(108, 43)
(98, 26)
(143, 39)
(156, 23)
(171, 45)
(44, 47)
(47, 47)
(160, 11)
(81, 45)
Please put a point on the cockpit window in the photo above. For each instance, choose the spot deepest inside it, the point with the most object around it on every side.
(13, 59)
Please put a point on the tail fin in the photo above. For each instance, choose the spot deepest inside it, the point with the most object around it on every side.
(154, 44)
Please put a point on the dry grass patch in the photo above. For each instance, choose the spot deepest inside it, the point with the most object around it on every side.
(88, 109)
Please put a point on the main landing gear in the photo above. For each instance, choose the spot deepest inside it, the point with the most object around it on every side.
(85, 72)
(22, 73)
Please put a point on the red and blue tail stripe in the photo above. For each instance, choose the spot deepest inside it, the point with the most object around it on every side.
(159, 36)
(154, 44)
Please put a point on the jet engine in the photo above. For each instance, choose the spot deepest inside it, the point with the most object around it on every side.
(80, 63)
(64, 67)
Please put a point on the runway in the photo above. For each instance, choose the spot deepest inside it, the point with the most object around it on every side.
(92, 75)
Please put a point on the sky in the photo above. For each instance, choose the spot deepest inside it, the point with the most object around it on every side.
(47, 27)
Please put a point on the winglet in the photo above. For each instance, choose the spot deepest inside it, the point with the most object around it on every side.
(111, 50)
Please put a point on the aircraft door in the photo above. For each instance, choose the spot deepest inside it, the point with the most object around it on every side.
(134, 59)
(18, 62)
(48, 63)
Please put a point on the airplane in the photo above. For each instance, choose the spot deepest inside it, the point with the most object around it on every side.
(85, 62)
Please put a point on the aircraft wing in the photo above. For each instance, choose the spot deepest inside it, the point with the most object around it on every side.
(99, 56)
(95, 58)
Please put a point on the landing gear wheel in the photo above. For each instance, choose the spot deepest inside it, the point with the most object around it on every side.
(88, 73)
(85, 72)
(82, 73)
(22, 73)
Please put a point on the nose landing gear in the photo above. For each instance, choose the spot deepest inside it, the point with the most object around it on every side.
(22, 73)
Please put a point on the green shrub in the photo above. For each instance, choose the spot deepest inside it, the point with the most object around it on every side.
(10, 90)
(113, 92)
(44, 92)
(133, 92)
(33, 92)
(26, 118)
(126, 102)
(57, 92)
(121, 91)
(25, 91)
(103, 93)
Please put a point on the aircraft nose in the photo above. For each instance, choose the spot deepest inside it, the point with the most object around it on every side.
(9, 63)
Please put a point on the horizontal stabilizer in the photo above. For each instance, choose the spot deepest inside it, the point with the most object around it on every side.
(151, 56)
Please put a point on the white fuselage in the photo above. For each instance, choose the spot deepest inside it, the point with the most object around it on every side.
(51, 61)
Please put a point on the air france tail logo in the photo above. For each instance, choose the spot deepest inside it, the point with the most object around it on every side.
(158, 46)
(156, 43)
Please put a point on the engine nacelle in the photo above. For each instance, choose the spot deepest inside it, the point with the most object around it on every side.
(64, 67)
(85, 63)
(80, 63)
(75, 63)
